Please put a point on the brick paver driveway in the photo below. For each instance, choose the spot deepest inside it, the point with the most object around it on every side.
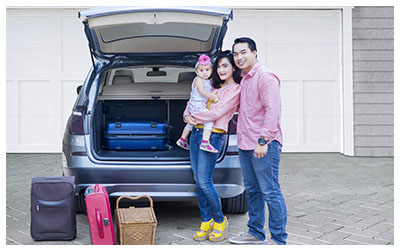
(331, 199)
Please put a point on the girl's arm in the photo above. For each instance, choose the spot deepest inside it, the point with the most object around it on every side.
(199, 83)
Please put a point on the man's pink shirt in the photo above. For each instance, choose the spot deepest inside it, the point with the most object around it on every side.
(260, 108)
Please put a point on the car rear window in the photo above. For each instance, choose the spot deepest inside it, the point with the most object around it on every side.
(139, 30)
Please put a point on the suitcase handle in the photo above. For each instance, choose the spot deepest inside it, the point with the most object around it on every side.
(135, 198)
(99, 221)
(97, 188)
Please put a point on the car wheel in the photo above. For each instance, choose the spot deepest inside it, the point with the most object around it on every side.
(235, 205)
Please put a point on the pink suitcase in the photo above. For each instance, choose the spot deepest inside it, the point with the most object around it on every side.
(99, 216)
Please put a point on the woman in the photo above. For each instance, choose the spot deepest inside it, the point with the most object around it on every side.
(225, 79)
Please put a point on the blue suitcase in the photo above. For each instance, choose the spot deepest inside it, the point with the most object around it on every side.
(136, 134)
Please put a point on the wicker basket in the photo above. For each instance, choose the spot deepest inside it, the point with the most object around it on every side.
(136, 226)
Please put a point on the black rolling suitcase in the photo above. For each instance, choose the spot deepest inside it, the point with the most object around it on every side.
(53, 208)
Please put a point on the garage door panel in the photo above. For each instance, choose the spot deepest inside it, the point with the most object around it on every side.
(319, 130)
(304, 61)
(292, 127)
(75, 61)
(12, 113)
(29, 30)
(68, 89)
(29, 61)
(319, 98)
(301, 29)
(72, 31)
(245, 23)
(290, 98)
(35, 98)
(12, 129)
(36, 131)
(11, 96)
(75, 56)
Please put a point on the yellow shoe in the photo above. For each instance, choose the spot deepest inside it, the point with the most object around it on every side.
(220, 231)
(205, 230)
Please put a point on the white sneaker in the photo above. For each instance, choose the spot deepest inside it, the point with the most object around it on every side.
(245, 238)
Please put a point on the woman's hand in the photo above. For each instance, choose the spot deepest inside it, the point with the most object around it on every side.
(190, 120)
(214, 97)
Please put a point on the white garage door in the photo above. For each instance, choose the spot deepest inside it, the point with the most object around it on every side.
(47, 58)
(303, 47)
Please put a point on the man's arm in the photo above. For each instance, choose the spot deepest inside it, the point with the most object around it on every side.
(269, 87)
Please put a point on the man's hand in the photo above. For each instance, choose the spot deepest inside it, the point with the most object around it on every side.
(190, 120)
(260, 151)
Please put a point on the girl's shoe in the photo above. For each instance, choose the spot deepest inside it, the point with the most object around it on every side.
(206, 146)
(205, 230)
(183, 143)
(220, 231)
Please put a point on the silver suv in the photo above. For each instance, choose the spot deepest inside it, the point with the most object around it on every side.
(143, 60)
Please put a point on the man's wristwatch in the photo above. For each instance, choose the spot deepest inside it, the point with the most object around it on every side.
(262, 141)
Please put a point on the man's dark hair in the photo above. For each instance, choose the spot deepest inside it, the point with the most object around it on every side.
(250, 42)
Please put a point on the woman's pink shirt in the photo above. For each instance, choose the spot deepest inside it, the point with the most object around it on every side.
(222, 111)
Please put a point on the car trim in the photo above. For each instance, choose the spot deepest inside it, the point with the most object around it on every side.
(164, 191)
(104, 11)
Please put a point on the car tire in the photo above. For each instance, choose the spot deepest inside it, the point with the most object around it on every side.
(235, 205)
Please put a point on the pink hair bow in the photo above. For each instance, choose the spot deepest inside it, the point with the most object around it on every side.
(204, 60)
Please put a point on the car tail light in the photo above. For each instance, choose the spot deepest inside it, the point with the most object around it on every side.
(78, 154)
(233, 125)
(77, 120)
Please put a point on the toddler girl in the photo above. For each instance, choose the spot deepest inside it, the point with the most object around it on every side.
(201, 92)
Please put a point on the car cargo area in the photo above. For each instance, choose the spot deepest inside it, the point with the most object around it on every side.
(133, 94)
(168, 111)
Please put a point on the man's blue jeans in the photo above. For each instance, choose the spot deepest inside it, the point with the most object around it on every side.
(203, 165)
(261, 180)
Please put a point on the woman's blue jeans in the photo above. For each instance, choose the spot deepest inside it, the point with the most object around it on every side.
(203, 164)
(261, 180)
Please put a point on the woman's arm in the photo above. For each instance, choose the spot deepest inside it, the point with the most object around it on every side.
(199, 83)
(229, 100)
(187, 118)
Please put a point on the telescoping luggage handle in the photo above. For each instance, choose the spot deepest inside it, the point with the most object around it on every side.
(97, 188)
(135, 198)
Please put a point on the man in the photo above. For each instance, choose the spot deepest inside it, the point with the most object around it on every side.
(260, 143)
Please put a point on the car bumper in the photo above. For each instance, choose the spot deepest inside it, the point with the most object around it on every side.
(162, 182)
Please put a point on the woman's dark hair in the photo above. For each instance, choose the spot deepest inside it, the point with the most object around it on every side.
(216, 81)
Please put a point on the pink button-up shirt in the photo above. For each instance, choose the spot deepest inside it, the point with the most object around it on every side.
(260, 108)
(223, 110)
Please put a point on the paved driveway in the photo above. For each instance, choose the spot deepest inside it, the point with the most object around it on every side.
(331, 199)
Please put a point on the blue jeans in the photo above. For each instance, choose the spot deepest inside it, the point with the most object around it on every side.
(261, 180)
(203, 164)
